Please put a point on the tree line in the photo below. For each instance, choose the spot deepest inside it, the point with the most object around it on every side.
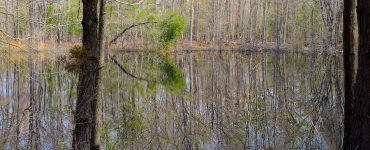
(220, 23)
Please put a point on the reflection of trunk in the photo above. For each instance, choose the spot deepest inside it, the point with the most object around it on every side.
(17, 97)
(186, 140)
(60, 113)
(30, 142)
(16, 73)
(327, 127)
(31, 107)
(85, 133)
(359, 137)
(276, 98)
(265, 89)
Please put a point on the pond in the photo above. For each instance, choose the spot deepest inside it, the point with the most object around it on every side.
(231, 100)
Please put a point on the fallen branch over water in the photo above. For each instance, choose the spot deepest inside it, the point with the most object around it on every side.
(128, 28)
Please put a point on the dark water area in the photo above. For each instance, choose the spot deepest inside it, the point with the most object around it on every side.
(231, 100)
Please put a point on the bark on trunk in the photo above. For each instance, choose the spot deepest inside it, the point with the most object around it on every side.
(359, 137)
(88, 86)
(349, 63)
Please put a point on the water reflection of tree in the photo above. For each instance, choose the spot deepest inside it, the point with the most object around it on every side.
(227, 107)
(231, 101)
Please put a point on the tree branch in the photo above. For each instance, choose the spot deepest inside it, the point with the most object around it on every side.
(115, 40)
(126, 3)
(125, 30)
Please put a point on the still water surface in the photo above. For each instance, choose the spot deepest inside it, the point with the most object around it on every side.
(231, 100)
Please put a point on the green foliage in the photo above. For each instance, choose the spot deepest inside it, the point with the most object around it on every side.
(50, 80)
(302, 21)
(172, 28)
(171, 76)
(74, 19)
(72, 16)
(151, 18)
(61, 145)
(145, 13)
(163, 32)
(159, 70)
(162, 70)
(51, 21)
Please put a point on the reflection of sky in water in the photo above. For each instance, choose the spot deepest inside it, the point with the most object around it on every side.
(4, 88)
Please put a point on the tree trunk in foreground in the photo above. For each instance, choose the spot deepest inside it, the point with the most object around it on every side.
(349, 64)
(88, 87)
(359, 137)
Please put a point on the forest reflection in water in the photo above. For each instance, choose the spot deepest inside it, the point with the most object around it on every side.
(232, 100)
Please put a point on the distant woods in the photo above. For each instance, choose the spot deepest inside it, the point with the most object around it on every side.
(209, 23)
